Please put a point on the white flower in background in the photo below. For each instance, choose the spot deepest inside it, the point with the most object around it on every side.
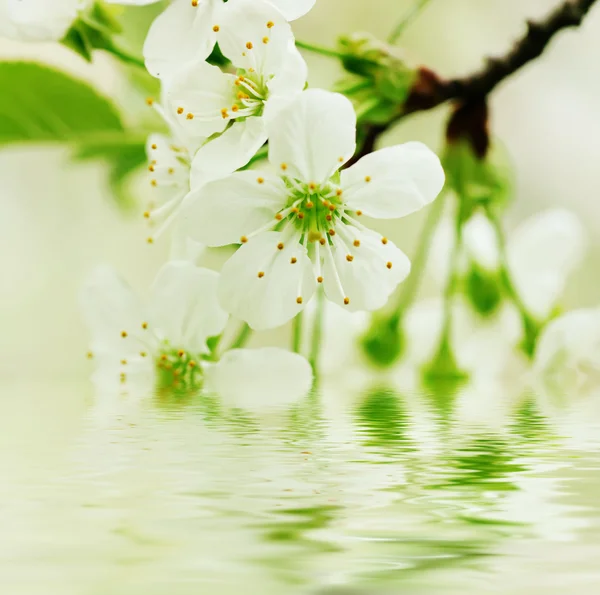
(45, 20)
(162, 344)
(204, 101)
(541, 253)
(38, 20)
(169, 167)
(567, 358)
(300, 227)
(187, 30)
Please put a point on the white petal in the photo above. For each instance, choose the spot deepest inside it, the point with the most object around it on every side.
(542, 253)
(313, 135)
(567, 357)
(255, 378)
(201, 90)
(290, 74)
(110, 308)
(248, 42)
(230, 151)
(182, 33)
(269, 300)
(480, 242)
(393, 182)
(422, 325)
(110, 384)
(293, 9)
(41, 20)
(223, 211)
(184, 306)
(366, 274)
(168, 168)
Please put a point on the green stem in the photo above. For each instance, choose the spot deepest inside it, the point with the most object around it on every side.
(414, 12)
(319, 49)
(411, 285)
(297, 332)
(531, 326)
(242, 337)
(125, 57)
(452, 281)
(317, 333)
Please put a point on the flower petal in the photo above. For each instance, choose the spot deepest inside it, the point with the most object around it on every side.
(362, 277)
(542, 253)
(110, 308)
(254, 378)
(223, 211)
(293, 9)
(393, 182)
(230, 151)
(254, 35)
(184, 307)
(313, 135)
(267, 281)
(567, 358)
(480, 242)
(195, 97)
(41, 20)
(180, 34)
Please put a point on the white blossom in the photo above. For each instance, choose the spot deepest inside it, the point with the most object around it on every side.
(233, 110)
(138, 346)
(46, 20)
(567, 359)
(187, 30)
(300, 227)
(38, 20)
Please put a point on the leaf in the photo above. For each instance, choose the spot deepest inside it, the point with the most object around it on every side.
(40, 104)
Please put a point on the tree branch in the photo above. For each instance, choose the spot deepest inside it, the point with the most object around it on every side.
(431, 91)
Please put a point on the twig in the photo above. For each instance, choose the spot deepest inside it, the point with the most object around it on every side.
(431, 91)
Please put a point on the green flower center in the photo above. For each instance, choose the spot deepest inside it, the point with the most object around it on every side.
(176, 369)
(250, 92)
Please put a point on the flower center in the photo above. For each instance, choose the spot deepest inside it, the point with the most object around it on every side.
(177, 369)
(249, 95)
(314, 210)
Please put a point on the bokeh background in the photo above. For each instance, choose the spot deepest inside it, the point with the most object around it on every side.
(57, 218)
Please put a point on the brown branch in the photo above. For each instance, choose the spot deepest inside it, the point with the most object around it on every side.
(430, 91)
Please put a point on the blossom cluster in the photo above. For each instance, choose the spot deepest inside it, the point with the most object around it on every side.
(295, 219)
(253, 158)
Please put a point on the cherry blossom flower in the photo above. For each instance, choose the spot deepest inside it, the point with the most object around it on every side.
(38, 20)
(300, 228)
(187, 30)
(567, 359)
(140, 346)
(233, 110)
(45, 20)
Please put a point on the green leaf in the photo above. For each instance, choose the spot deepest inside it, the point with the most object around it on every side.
(40, 104)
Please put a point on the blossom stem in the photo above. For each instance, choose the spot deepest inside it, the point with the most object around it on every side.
(414, 12)
(125, 57)
(319, 49)
(531, 326)
(297, 332)
(317, 333)
(242, 337)
(411, 285)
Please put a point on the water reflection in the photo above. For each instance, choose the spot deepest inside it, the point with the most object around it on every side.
(380, 491)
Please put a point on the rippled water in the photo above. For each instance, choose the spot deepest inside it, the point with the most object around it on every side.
(367, 493)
